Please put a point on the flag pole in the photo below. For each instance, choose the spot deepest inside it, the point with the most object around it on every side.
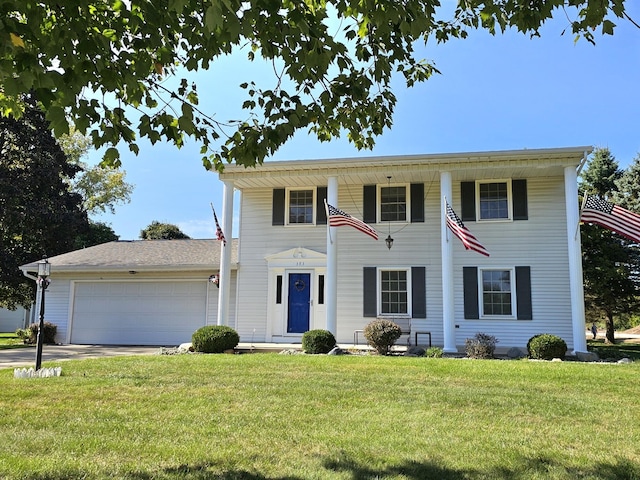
(326, 209)
(584, 201)
(446, 230)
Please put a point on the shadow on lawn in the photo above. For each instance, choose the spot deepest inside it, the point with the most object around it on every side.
(540, 467)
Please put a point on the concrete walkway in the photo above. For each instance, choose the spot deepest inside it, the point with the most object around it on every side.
(26, 357)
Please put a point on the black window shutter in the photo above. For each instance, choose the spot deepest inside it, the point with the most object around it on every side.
(519, 193)
(417, 202)
(321, 213)
(277, 213)
(370, 205)
(468, 197)
(369, 292)
(523, 293)
(418, 293)
(470, 287)
(279, 289)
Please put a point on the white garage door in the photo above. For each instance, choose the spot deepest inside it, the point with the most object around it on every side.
(137, 313)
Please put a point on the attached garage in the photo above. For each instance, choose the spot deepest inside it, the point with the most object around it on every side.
(137, 313)
(141, 292)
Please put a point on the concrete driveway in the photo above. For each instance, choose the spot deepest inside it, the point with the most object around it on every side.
(26, 357)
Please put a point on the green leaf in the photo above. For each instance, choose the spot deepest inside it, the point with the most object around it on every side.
(111, 157)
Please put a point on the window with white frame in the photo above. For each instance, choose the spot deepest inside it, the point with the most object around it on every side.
(394, 203)
(300, 207)
(494, 200)
(394, 292)
(497, 293)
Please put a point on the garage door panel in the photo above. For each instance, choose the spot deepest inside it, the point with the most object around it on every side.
(137, 313)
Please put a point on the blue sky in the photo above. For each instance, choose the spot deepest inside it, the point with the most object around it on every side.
(498, 92)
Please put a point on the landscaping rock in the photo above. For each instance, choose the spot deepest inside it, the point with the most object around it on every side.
(516, 353)
(625, 360)
(291, 351)
(336, 351)
(587, 356)
(416, 351)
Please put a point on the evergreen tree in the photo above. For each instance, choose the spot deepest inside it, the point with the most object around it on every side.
(608, 260)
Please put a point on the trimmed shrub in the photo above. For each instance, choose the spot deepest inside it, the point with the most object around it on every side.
(214, 339)
(546, 347)
(382, 334)
(434, 352)
(30, 335)
(481, 346)
(318, 341)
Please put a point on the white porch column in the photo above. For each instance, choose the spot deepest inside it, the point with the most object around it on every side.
(448, 316)
(331, 284)
(225, 254)
(575, 259)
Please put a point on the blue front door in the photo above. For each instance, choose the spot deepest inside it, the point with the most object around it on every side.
(299, 295)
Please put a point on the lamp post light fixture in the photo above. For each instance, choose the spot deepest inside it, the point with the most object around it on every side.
(389, 241)
(44, 270)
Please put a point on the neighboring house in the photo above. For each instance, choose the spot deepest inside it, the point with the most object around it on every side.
(297, 274)
(11, 320)
(143, 292)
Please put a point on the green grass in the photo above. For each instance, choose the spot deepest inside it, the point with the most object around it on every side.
(268, 416)
(11, 340)
(615, 351)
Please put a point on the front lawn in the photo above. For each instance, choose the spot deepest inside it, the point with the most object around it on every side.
(269, 416)
(11, 340)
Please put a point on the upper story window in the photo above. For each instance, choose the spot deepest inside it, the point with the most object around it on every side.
(393, 203)
(494, 200)
(497, 294)
(300, 207)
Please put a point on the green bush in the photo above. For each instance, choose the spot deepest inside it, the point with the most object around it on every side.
(24, 334)
(382, 334)
(546, 347)
(214, 339)
(30, 335)
(318, 341)
(434, 352)
(481, 346)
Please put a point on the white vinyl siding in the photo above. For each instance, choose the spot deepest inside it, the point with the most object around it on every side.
(539, 242)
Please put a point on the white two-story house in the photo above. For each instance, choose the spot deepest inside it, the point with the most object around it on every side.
(287, 271)
(295, 273)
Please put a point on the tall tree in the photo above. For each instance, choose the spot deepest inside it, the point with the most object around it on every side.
(333, 61)
(608, 260)
(627, 194)
(97, 233)
(39, 215)
(101, 187)
(162, 231)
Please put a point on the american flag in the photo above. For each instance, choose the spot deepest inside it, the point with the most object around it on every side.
(467, 238)
(611, 216)
(219, 234)
(338, 218)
